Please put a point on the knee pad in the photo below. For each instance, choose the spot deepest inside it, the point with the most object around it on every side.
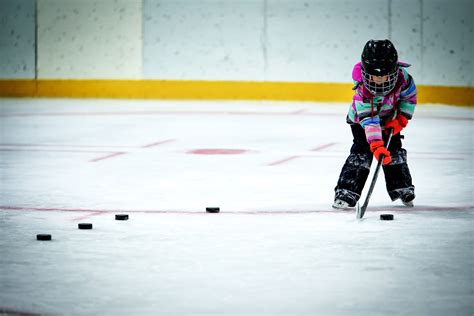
(398, 157)
(360, 160)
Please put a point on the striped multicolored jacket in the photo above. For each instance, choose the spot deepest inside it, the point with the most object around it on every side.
(373, 112)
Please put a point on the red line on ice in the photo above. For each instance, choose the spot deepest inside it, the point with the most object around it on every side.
(85, 146)
(55, 150)
(252, 212)
(159, 143)
(449, 118)
(80, 218)
(323, 147)
(108, 156)
(63, 145)
(217, 151)
(300, 111)
(279, 162)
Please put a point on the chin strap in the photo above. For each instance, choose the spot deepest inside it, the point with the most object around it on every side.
(356, 86)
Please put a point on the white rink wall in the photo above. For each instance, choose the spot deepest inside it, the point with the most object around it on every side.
(89, 39)
(256, 40)
(17, 39)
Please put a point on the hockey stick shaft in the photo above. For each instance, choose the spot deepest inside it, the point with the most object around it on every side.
(361, 213)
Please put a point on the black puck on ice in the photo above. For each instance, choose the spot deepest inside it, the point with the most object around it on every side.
(121, 217)
(43, 237)
(386, 217)
(84, 226)
(213, 209)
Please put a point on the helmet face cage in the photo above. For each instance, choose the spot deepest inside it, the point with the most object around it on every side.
(380, 89)
(379, 58)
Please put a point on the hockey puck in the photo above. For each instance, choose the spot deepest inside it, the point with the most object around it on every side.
(213, 209)
(121, 217)
(84, 226)
(386, 217)
(43, 237)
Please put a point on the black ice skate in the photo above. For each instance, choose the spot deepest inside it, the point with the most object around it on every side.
(406, 195)
(340, 204)
(407, 199)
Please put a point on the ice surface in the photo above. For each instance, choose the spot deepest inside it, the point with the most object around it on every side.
(276, 248)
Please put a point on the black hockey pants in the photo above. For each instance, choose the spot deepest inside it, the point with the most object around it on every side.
(356, 169)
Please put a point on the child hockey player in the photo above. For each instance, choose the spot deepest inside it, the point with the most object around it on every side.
(384, 99)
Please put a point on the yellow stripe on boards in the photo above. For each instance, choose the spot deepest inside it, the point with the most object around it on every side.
(18, 88)
(214, 90)
(446, 95)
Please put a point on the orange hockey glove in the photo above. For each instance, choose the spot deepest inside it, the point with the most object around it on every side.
(399, 123)
(378, 148)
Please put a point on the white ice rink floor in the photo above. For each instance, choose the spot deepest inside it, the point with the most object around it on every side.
(276, 247)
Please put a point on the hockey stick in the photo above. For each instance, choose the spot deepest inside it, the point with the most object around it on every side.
(360, 211)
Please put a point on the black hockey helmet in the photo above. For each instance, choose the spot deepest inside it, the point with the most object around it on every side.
(379, 58)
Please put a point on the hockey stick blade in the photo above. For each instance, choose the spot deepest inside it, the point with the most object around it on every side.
(358, 211)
